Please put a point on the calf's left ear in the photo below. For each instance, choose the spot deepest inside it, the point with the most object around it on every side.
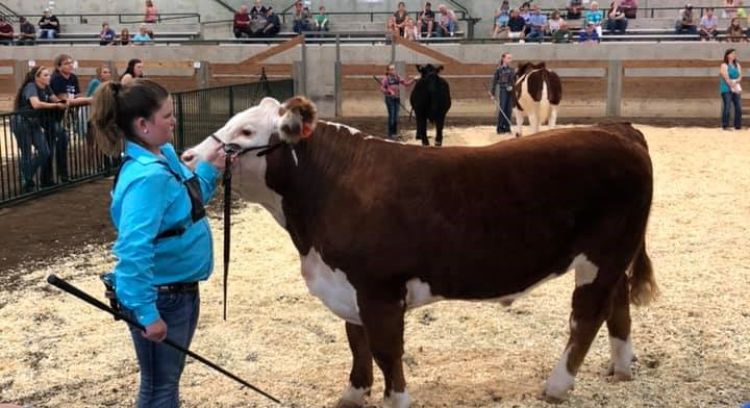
(298, 117)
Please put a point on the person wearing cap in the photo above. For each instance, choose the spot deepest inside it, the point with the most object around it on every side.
(49, 25)
(27, 32)
(589, 35)
(686, 23)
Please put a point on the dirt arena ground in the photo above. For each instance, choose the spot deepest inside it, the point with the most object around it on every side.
(692, 344)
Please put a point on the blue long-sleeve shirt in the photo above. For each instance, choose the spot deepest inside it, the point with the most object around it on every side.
(148, 200)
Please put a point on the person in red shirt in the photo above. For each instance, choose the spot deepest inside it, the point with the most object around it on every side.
(242, 23)
(6, 32)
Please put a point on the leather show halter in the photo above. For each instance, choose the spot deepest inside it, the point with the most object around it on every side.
(234, 150)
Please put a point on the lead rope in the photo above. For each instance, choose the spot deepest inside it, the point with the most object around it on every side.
(227, 182)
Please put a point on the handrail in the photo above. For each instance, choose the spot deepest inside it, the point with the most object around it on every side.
(9, 14)
(226, 6)
(161, 17)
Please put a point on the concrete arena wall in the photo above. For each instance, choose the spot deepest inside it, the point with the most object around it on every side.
(687, 85)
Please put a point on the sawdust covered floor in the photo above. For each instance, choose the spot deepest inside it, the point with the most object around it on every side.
(692, 345)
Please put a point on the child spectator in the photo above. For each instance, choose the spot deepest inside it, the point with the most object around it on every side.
(107, 35)
(686, 23)
(709, 23)
(616, 20)
(320, 22)
(49, 25)
(400, 17)
(301, 18)
(151, 15)
(6, 32)
(27, 34)
(241, 25)
(142, 37)
(390, 27)
(124, 37)
(594, 16)
(589, 35)
(411, 32)
(500, 28)
(735, 33)
(558, 28)
(730, 9)
(447, 23)
(426, 20)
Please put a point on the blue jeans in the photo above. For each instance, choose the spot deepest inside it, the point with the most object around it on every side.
(57, 140)
(535, 35)
(47, 33)
(299, 26)
(505, 107)
(392, 105)
(161, 366)
(726, 99)
(29, 133)
(448, 31)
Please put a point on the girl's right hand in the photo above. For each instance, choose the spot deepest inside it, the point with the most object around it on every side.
(156, 331)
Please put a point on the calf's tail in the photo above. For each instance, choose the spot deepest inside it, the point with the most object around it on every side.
(643, 288)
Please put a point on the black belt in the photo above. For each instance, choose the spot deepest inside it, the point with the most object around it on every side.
(177, 287)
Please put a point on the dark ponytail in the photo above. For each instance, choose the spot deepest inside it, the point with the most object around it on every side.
(115, 108)
(30, 77)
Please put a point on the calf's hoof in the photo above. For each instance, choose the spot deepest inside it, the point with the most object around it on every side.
(348, 404)
(552, 399)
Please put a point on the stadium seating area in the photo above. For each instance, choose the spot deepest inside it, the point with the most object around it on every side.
(655, 22)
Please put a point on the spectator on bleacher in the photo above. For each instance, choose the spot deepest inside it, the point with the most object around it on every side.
(426, 21)
(27, 33)
(558, 28)
(447, 22)
(258, 10)
(133, 71)
(616, 20)
(525, 11)
(273, 24)
(150, 15)
(389, 86)
(731, 75)
(241, 25)
(537, 25)
(501, 91)
(516, 26)
(65, 85)
(575, 7)
(730, 9)
(125, 37)
(686, 23)
(629, 7)
(735, 32)
(320, 21)
(107, 35)
(49, 25)
(595, 16)
(29, 129)
(411, 32)
(400, 17)
(6, 32)
(300, 18)
(142, 37)
(103, 74)
(589, 34)
(741, 12)
(709, 25)
(502, 15)
(390, 26)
